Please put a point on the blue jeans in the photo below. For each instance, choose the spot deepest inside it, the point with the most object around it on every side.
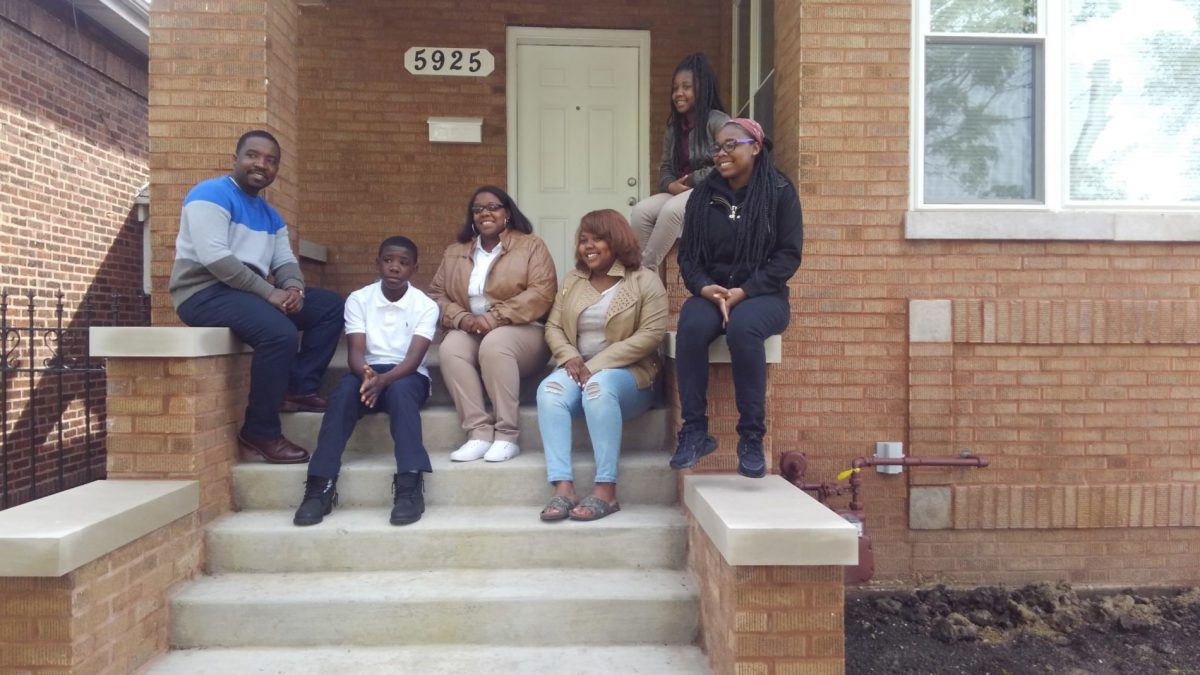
(401, 400)
(610, 397)
(276, 368)
(751, 322)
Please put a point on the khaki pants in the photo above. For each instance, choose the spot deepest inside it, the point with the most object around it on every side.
(657, 221)
(496, 362)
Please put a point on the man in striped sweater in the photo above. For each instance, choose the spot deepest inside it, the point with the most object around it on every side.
(234, 268)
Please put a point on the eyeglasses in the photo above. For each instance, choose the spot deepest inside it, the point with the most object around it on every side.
(490, 208)
(729, 145)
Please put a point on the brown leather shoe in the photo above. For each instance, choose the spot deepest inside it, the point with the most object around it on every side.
(277, 450)
(304, 403)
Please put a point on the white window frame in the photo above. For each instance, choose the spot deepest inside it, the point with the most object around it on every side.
(1054, 217)
(757, 78)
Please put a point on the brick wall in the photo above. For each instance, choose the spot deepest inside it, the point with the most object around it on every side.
(1087, 437)
(109, 616)
(73, 155)
(368, 168)
(767, 620)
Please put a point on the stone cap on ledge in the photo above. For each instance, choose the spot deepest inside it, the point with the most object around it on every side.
(718, 351)
(163, 342)
(768, 521)
(54, 535)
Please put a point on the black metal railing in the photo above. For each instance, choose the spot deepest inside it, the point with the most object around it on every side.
(52, 413)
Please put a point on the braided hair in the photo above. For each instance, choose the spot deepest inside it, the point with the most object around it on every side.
(704, 86)
(754, 236)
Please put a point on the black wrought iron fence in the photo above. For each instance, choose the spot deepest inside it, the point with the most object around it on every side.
(52, 414)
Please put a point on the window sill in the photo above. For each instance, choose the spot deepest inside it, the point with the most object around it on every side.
(1054, 225)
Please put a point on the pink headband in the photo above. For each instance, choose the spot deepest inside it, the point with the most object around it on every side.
(753, 128)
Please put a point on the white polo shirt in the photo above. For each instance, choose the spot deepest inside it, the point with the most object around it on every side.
(390, 326)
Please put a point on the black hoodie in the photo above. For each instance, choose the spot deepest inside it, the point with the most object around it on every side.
(721, 216)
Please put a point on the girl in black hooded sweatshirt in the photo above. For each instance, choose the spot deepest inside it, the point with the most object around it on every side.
(742, 239)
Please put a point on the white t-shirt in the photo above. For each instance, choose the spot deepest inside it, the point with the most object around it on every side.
(390, 326)
(589, 331)
(475, 285)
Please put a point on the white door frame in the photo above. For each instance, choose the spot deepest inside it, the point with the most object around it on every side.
(578, 37)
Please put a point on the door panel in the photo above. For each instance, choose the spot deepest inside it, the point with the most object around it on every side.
(577, 137)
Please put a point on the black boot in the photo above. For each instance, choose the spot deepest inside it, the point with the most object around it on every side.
(320, 495)
(408, 499)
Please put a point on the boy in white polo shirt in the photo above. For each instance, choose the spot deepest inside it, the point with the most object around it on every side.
(389, 326)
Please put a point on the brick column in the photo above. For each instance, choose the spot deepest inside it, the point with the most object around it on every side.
(767, 620)
(177, 418)
(217, 69)
(108, 616)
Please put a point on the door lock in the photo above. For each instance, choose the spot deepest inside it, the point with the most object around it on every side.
(631, 182)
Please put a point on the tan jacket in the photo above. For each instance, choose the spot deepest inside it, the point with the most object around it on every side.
(634, 327)
(520, 284)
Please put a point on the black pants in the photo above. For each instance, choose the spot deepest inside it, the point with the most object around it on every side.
(751, 322)
(401, 400)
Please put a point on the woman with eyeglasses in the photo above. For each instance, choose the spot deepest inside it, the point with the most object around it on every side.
(696, 115)
(742, 238)
(494, 287)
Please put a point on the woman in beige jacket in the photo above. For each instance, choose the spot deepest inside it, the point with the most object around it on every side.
(604, 330)
(494, 287)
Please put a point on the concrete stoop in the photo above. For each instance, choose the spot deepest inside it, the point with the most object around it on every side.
(439, 660)
(478, 585)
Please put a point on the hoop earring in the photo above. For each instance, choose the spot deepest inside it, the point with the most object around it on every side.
(474, 229)
(507, 222)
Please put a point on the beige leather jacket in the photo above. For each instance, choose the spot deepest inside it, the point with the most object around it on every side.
(634, 327)
(520, 284)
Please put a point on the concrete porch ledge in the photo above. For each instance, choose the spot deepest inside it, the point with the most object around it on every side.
(718, 351)
(163, 342)
(768, 521)
(55, 535)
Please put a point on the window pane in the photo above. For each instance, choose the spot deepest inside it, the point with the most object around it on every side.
(980, 123)
(1134, 85)
(766, 40)
(764, 106)
(741, 59)
(983, 16)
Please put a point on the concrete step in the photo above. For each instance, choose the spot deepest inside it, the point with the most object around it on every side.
(442, 431)
(436, 660)
(366, 480)
(360, 539)
(510, 607)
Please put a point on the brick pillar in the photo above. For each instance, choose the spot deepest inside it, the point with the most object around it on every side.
(768, 619)
(177, 418)
(217, 69)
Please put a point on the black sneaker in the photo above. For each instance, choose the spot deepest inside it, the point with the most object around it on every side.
(694, 444)
(408, 498)
(320, 496)
(751, 462)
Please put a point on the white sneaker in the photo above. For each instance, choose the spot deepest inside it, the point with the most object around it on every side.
(502, 451)
(470, 451)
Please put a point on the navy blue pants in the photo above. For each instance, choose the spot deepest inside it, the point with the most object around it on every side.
(751, 322)
(276, 369)
(401, 400)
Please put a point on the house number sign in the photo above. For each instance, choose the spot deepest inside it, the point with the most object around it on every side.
(449, 61)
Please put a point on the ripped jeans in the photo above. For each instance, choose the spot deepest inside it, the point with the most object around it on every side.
(609, 397)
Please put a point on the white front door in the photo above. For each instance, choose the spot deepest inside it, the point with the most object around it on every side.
(578, 147)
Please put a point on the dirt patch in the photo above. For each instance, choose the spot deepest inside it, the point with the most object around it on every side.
(1042, 628)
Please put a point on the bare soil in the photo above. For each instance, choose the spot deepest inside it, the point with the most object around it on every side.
(1041, 628)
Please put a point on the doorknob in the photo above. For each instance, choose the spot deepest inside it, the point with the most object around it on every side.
(632, 201)
(632, 181)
